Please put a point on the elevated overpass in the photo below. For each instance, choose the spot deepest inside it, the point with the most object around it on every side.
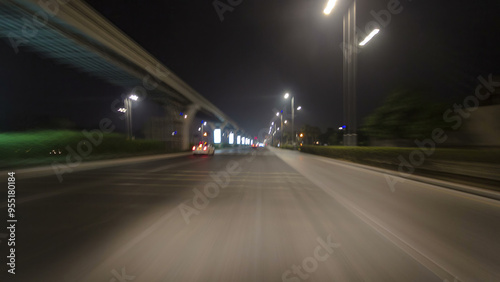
(73, 33)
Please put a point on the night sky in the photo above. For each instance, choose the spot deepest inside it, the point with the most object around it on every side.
(263, 49)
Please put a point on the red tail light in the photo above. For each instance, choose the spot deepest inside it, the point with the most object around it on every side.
(194, 148)
(205, 148)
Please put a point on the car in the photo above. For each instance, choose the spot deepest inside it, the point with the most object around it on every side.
(258, 145)
(204, 148)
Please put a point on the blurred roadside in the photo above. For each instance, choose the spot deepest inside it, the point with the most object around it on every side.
(475, 167)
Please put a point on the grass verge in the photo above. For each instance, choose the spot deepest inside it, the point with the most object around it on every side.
(24, 149)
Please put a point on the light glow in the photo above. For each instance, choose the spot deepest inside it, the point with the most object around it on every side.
(238, 140)
(217, 136)
(369, 37)
(231, 138)
(287, 95)
(329, 7)
(134, 97)
(299, 108)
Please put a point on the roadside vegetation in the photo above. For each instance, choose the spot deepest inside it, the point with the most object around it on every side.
(18, 149)
(390, 155)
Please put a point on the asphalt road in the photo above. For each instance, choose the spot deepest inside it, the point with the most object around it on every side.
(248, 215)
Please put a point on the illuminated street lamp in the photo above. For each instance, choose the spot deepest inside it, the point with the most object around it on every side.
(329, 7)
(350, 47)
(369, 37)
(350, 57)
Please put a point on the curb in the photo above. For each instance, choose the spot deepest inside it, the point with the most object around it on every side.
(445, 184)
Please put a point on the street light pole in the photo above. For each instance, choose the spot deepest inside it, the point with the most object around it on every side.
(350, 72)
(203, 123)
(128, 112)
(128, 117)
(350, 52)
(282, 130)
(127, 122)
(293, 123)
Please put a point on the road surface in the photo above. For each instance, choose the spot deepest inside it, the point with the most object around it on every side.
(249, 215)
